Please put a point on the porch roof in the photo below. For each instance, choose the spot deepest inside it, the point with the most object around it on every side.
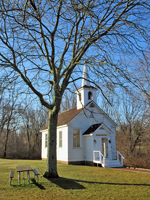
(91, 129)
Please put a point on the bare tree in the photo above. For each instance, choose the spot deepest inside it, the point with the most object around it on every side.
(141, 75)
(20, 126)
(8, 118)
(132, 122)
(44, 42)
(32, 121)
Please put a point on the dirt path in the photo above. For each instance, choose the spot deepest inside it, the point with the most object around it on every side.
(135, 170)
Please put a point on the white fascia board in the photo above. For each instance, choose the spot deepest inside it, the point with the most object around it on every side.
(90, 89)
(85, 89)
(88, 135)
(62, 126)
(107, 129)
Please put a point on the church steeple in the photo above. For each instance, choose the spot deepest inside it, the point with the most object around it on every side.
(85, 77)
(86, 93)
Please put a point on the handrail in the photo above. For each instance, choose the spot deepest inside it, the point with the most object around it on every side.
(98, 157)
(101, 157)
(120, 154)
(117, 154)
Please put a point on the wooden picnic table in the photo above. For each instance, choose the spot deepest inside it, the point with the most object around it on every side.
(25, 168)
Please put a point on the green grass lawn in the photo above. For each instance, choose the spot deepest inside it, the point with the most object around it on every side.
(75, 182)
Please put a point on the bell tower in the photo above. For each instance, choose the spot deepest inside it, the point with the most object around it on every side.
(86, 93)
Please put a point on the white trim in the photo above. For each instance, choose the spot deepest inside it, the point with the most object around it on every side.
(88, 135)
(62, 126)
(60, 139)
(105, 128)
(79, 138)
(90, 89)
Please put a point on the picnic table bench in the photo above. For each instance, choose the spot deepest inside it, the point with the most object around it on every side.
(36, 173)
(11, 176)
(25, 168)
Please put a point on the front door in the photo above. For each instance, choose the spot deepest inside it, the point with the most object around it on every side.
(105, 147)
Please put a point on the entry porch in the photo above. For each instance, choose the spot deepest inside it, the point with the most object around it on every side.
(99, 158)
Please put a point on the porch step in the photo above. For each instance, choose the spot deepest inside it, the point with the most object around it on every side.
(112, 163)
(112, 166)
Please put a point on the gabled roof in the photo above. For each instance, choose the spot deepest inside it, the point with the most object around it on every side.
(94, 127)
(65, 117)
(91, 129)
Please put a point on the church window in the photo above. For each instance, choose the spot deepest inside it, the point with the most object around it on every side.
(60, 138)
(76, 138)
(45, 140)
(90, 96)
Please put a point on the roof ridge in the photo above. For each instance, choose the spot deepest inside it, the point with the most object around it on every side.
(67, 110)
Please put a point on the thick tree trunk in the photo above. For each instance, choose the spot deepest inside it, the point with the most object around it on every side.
(51, 166)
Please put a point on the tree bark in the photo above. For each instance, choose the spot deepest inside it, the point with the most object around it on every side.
(51, 165)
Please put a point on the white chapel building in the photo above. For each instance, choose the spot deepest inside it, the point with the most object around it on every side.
(85, 134)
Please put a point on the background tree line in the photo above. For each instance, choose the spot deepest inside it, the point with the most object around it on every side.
(131, 112)
(20, 135)
(20, 126)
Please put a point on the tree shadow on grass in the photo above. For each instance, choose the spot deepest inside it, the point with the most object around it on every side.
(37, 184)
(106, 183)
(65, 183)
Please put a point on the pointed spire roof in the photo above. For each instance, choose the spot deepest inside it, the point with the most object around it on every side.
(85, 77)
